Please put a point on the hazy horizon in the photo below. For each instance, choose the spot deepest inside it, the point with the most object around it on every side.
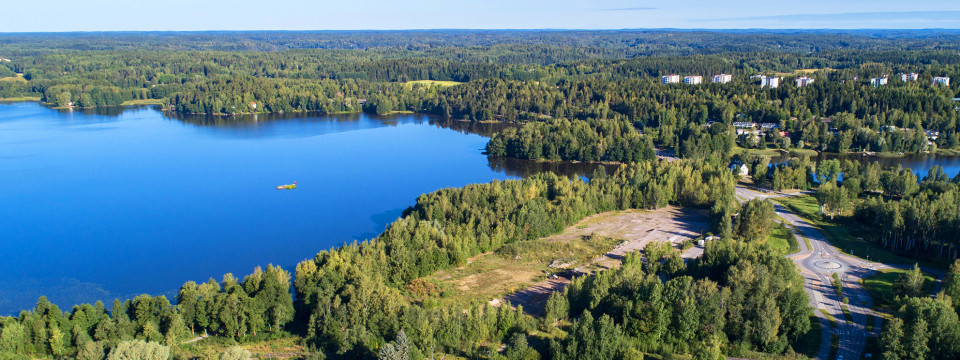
(303, 15)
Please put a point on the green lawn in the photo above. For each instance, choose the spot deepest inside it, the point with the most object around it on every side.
(880, 286)
(142, 102)
(782, 240)
(440, 83)
(20, 99)
(842, 236)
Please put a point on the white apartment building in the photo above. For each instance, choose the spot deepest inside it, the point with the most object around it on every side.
(941, 80)
(722, 78)
(693, 80)
(880, 81)
(770, 82)
(909, 77)
(804, 81)
(670, 79)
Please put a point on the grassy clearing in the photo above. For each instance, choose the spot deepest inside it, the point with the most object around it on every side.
(880, 286)
(20, 99)
(782, 240)
(803, 72)
(281, 348)
(142, 102)
(18, 78)
(440, 83)
(757, 152)
(516, 266)
(843, 237)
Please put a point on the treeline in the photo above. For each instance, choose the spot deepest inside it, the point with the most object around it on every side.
(561, 139)
(839, 112)
(738, 297)
(924, 327)
(580, 43)
(921, 219)
(259, 305)
(350, 297)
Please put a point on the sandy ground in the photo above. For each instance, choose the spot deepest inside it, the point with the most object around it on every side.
(637, 228)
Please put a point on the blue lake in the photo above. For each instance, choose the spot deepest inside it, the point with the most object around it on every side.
(97, 206)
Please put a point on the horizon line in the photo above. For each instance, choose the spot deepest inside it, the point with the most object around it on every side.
(828, 29)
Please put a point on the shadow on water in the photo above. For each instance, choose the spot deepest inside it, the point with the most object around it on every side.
(524, 168)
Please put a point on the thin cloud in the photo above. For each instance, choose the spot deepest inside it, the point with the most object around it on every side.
(630, 9)
(856, 16)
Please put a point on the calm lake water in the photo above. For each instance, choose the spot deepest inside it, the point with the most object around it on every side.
(95, 206)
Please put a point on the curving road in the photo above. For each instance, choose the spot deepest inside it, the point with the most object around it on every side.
(817, 264)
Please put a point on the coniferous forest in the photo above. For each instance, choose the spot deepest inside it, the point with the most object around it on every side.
(587, 96)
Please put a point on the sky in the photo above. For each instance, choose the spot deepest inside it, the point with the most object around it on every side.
(193, 15)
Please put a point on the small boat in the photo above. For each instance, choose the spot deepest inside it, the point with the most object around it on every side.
(288, 186)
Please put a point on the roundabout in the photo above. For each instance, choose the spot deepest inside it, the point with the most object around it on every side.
(829, 265)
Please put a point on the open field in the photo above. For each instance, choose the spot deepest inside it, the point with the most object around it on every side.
(18, 78)
(20, 99)
(776, 152)
(440, 83)
(803, 72)
(519, 272)
(288, 347)
(142, 102)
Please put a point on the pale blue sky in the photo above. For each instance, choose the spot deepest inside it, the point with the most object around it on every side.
(117, 15)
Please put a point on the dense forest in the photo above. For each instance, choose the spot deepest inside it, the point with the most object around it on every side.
(923, 327)
(608, 79)
(569, 95)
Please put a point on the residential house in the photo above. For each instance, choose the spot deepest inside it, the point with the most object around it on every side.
(739, 168)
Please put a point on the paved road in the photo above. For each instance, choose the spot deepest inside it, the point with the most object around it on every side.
(817, 264)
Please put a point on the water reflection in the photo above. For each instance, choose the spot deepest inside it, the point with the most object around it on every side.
(919, 163)
(524, 168)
